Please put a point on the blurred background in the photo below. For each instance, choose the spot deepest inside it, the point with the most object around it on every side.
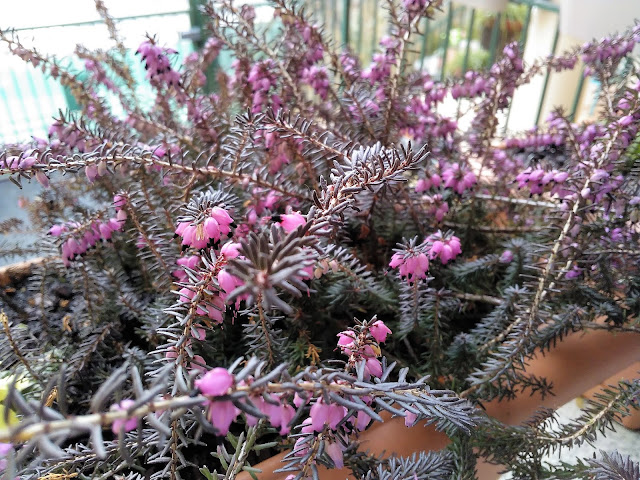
(467, 34)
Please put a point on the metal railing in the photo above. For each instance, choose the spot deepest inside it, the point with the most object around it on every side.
(458, 39)
(29, 98)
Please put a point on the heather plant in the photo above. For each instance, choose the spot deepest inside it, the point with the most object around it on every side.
(272, 265)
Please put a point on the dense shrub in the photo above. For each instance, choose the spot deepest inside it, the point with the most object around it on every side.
(314, 243)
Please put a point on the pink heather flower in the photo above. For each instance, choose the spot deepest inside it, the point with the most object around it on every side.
(11, 162)
(214, 309)
(334, 450)
(318, 78)
(280, 416)
(57, 230)
(230, 250)
(379, 331)
(346, 341)
(122, 423)
(115, 224)
(27, 162)
(458, 179)
(373, 367)
(412, 264)
(198, 363)
(322, 414)
(189, 262)
(361, 421)
(158, 64)
(198, 332)
(222, 415)
(575, 272)
(105, 231)
(438, 207)
(92, 172)
(626, 121)
(215, 382)
(410, 419)
(211, 230)
(5, 448)
(298, 401)
(260, 404)
(506, 257)
(119, 202)
(42, 178)
(422, 185)
(228, 282)
(444, 248)
(291, 221)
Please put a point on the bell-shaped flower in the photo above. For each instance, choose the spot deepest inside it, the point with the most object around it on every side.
(379, 331)
(215, 382)
(123, 423)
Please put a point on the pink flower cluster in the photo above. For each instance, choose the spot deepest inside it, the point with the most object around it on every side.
(350, 66)
(188, 262)
(608, 49)
(99, 74)
(157, 63)
(380, 68)
(93, 171)
(5, 448)
(505, 164)
(25, 162)
(444, 247)
(422, 115)
(123, 424)
(18, 163)
(414, 6)
(412, 263)
(199, 113)
(436, 206)
(363, 346)
(222, 413)
(474, 84)
(279, 413)
(197, 62)
(262, 77)
(195, 362)
(458, 178)
(278, 150)
(538, 179)
(228, 282)
(81, 238)
(214, 306)
(70, 136)
(428, 182)
(208, 232)
(318, 78)
(290, 221)
(263, 200)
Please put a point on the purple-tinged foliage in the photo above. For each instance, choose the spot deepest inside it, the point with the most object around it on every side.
(211, 255)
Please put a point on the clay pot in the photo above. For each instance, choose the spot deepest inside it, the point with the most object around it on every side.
(11, 274)
(578, 363)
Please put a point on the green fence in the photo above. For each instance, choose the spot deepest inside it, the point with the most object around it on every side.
(458, 39)
(29, 98)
